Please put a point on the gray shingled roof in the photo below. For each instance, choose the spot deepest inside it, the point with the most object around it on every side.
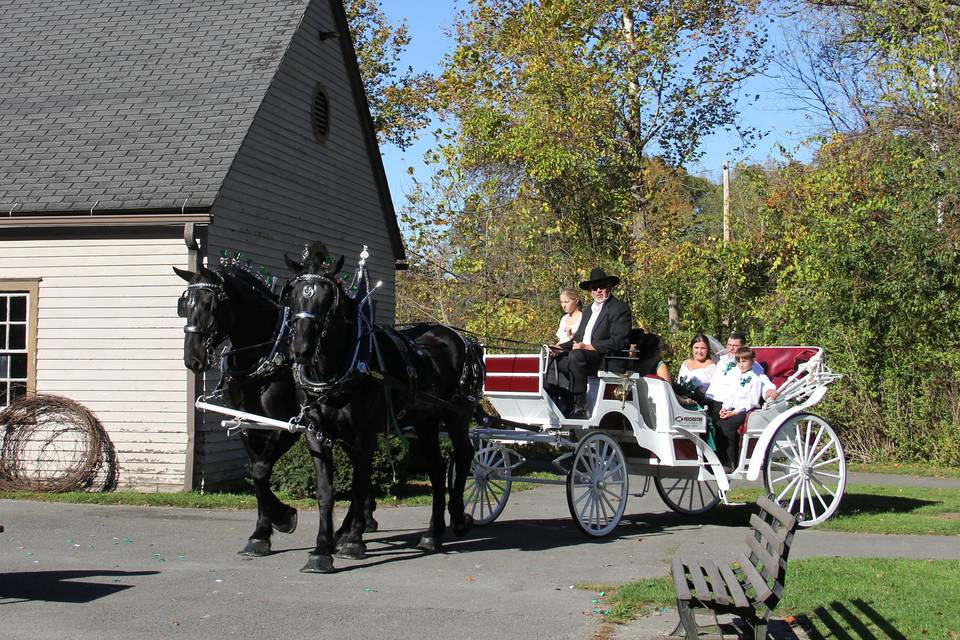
(135, 103)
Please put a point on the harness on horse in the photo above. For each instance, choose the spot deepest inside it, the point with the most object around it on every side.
(266, 366)
(211, 337)
(367, 360)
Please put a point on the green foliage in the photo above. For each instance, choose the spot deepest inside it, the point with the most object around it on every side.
(395, 97)
(295, 474)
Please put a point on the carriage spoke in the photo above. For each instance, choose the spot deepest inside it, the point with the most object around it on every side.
(826, 447)
(603, 503)
(827, 462)
(613, 470)
(792, 474)
(787, 488)
(826, 487)
(612, 494)
(781, 465)
(828, 475)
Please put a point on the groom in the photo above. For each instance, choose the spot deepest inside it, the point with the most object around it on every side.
(604, 330)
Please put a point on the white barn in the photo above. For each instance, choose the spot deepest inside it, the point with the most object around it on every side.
(136, 135)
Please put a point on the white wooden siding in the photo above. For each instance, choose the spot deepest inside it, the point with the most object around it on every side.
(108, 336)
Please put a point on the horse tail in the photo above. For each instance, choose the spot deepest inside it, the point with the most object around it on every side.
(474, 370)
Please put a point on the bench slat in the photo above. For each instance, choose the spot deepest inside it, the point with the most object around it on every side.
(753, 577)
(773, 538)
(785, 517)
(733, 586)
(719, 589)
(771, 563)
(680, 579)
(699, 584)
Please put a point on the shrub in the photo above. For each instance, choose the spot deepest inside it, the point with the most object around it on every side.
(295, 474)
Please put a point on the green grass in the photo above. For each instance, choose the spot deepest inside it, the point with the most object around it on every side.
(906, 469)
(890, 510)
(416, 493)
(842, 597)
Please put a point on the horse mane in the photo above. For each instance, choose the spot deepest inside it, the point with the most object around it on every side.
(244, 276)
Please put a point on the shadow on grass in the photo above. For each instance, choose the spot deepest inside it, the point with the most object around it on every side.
(59, 586)
(854, 504)
(849, 620)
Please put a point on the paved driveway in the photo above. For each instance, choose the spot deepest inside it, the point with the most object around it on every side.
(74, 571)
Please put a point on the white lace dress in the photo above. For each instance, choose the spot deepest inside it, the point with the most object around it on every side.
(700, 378)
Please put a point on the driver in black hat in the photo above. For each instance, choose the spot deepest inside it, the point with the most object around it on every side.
(604, 330)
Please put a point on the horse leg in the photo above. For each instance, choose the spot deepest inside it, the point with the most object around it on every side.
(370, 505)
(320, 559)
(351, 544)
(264, 450)
(429, 436)
(457, 428)
(368, 508)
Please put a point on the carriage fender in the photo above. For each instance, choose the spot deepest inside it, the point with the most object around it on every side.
(760, 450)
(709, 456)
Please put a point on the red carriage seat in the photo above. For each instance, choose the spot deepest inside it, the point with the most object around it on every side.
(782, 362)
(512, 373)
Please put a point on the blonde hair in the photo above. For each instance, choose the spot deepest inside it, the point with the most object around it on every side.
(573, 294)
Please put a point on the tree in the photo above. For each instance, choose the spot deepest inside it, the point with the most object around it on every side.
(395, 97)
(565, 124)
(893, 64)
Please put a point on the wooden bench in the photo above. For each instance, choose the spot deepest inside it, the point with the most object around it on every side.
(750, 587)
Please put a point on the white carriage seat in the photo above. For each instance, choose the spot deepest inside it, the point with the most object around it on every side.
(660, 408)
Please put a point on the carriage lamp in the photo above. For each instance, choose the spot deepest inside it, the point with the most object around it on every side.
(617, 392)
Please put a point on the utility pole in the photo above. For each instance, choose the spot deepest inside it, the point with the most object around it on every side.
(726, 201)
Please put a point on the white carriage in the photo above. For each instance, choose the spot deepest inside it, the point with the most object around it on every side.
(637, 426)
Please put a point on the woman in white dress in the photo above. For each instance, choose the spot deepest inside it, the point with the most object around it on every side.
(697, 371)
(570, 320)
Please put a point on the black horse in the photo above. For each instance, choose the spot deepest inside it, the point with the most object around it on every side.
(228, 301)
(357, 379)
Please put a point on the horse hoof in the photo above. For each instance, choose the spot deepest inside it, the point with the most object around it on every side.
(256, 548)
(372, 525)
(317, 563)
(430, 543)
(289, 526)
(352, 551)
(463, 528)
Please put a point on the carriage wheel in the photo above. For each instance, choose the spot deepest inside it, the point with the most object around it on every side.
(488, 485)
(688, 496)
(805, 469)
(597, 485)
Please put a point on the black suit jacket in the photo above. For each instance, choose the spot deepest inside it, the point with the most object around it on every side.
(611, 333)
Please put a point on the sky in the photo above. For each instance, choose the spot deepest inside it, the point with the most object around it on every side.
(429, 23)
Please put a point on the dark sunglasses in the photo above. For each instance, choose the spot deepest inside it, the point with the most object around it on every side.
(598, 287)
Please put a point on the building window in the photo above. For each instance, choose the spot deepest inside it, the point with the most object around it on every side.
(321, 114)
(17, 340)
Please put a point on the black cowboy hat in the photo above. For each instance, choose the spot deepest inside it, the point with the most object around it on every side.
(598, 276)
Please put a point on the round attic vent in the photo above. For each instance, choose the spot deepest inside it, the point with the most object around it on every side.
(321, 114)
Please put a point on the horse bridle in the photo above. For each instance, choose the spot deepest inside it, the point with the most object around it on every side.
(308, 291)
(210, 333)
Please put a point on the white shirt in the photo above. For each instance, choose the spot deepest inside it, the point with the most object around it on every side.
(742, 392)
(727, 368)
(595, 309)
